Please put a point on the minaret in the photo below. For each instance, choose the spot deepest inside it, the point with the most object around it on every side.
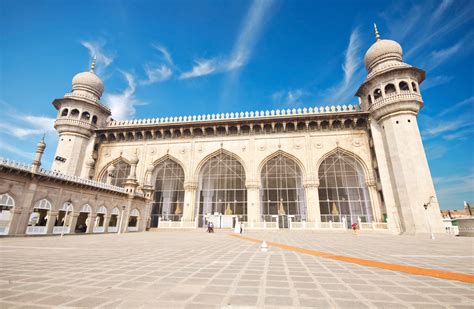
(79, 114)
(391, 95)
(36, 164)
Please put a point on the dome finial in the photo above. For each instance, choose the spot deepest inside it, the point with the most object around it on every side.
(93, 64)
(377, 35)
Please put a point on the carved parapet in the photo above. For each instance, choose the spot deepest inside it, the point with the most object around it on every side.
(396, 103)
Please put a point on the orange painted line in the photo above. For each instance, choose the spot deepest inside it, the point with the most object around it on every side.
(468, 278)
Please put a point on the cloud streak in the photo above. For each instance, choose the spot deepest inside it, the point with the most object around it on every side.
(123, 104)
(96, 49)
(156, 74)
(249, 34)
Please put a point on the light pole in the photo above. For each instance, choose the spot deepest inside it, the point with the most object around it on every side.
(68, 205)
(428, 217)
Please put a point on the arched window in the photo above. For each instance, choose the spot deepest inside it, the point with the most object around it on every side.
(221, 188)
(342, 190)
(389, 89)
(413, 85)
(377, 94)
(120, 174)
(74, 113)
(94, 119)
(169, 192)
(85, 116)
(39, 216)
(282, 190)
(403, 86)
(7, 203)
(64, 112)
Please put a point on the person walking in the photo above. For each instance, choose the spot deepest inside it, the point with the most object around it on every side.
(241, 227)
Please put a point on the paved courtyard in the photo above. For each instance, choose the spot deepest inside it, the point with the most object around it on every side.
(193, 269)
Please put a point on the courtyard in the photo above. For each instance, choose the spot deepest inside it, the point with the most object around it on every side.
(194, 269)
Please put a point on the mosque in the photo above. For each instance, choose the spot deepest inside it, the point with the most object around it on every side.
(307, 168)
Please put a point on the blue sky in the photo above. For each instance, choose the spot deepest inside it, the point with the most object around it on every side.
(167, 58)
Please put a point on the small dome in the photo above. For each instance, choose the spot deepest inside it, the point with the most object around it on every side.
(381, 51)
(88, 81)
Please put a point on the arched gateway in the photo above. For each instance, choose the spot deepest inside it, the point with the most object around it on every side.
(343, 191)
(222, 195)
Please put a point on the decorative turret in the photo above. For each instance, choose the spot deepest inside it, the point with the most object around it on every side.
(80, 112)
(391, 94)
(36, 164)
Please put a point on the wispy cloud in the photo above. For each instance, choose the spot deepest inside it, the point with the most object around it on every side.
(439, 127)
(457, 106)
(16, 151)
(96, 49)
(156, 74)
(164, 52)
(434, 81)
(455, 183)
(352, 68)
(123, 104)
(202, 67)
(290, 98)
(441, 9)
(435, 150)
(437, 57)
(26, 126)
(250, 32)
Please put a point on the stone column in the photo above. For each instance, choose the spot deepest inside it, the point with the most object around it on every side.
(91, 225)
(189, 201)
(74, 217)
(253, 202)
(16, 214)
(312, 201)
(374, 200)
(26, 209)
(106, 222)
(52, 216)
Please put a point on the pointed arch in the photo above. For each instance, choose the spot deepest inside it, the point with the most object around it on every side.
(43, 204)
(152, 173)
(6, 200)
(284, 154)
(343, 190)
(167, 179)
(358, 159)
(221, 186)
(214, 154)
(119, 159)
(101, 210)
(282, 192)
(86, 208)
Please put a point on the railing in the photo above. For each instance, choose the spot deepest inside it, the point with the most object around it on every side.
(112, 229)
(162, 223)
(132, 228)
(395, 98)
(36, 230)
(237, 115)
(4, 230)
(59, 229)
(58, 175)
(98, 229)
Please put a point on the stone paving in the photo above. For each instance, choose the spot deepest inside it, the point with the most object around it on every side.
(193, 269)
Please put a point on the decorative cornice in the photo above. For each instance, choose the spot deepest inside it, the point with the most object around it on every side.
(237, 116)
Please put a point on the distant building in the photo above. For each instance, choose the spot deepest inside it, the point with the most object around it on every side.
(317, 167)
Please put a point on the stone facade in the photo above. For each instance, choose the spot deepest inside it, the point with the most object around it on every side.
(318, 167)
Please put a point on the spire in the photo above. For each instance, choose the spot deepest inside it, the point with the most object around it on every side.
(93, 64)
(377, 35)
